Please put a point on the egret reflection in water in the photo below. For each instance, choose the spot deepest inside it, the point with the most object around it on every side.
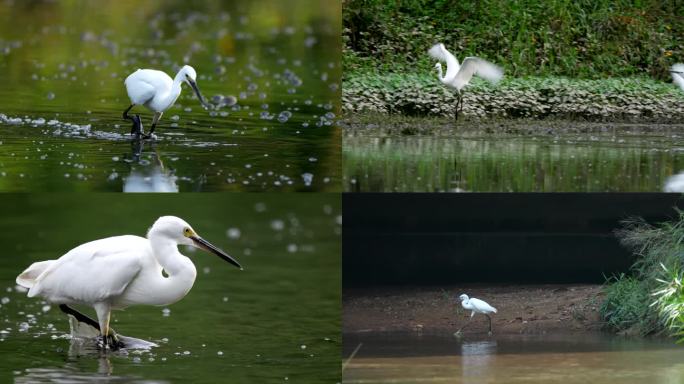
(149, 175)
(476, 358)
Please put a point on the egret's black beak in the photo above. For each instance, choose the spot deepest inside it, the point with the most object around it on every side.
(207, 246)
(197, 92)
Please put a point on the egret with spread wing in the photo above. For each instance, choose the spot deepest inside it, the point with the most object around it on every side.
(458, 76)
(117, 272)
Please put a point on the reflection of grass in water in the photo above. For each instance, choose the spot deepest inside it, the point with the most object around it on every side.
(502, 164)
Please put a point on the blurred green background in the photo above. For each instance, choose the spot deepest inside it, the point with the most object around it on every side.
(277, 320)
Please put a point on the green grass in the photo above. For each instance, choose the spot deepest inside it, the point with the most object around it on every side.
(626, 306)
(651, 299)
(589, 39)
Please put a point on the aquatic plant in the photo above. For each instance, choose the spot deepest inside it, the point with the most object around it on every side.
(670, 300)
(633, 98)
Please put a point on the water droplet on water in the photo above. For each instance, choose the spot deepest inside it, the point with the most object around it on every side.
(220, 353)
(166, 312)
(308, 178)
(277, 225)
(292, 248)
(50, 96)
(284, 116)
(233, 233)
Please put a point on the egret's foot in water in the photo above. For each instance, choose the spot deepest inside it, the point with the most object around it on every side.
(458, 334)
(110, 342)
(137, 128)
(150, 136)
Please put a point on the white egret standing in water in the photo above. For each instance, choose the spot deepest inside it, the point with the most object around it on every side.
(458, 76)
(476, 306)
(157, 91)
(117, 272)
(677, 72)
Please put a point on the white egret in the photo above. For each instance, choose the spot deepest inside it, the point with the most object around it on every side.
(117, 272)
(157, 91)
(677, 72)
(458, 76)
(476, 306)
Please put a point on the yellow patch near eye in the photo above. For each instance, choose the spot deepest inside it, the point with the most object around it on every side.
(187, 232)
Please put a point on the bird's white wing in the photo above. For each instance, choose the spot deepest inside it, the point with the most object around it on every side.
(439, 52)
(482, 306)
(678, 75)
(143, 84)
(92, 272)
(479, 67)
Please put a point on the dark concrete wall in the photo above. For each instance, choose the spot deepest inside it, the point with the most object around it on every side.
(520, 237)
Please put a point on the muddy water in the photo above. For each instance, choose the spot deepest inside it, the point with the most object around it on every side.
(620, 160)
(271, 70)
(586, 358)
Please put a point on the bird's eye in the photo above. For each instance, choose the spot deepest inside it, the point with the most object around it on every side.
(187, 232)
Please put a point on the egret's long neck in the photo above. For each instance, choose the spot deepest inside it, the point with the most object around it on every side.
(180, 270)
(439, 73)
(178, 80)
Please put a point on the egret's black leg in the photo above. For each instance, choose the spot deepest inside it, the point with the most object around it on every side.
(155, 120)
(137, 128)
(464, 325)
(79, 316)
(459, 105)
(125, 114)
(490, 323)
(111, 340)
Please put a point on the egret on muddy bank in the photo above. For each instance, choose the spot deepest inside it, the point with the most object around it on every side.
(157, 91)
(476, 306)
(677, 72)
(458, 76)
(117, 272)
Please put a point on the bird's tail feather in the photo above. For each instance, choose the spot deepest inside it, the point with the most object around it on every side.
(28, 278)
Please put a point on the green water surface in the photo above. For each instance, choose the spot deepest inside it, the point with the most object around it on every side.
(616, 160)
(277, 321)
(62, 96)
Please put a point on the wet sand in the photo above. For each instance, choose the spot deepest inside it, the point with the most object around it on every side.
(522, 309)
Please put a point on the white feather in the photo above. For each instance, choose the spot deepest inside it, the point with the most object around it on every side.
(677, 72)
(458, 76)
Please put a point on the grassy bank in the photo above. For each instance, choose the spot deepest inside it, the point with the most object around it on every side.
(651, 299)
(590, 39)
(634, 98)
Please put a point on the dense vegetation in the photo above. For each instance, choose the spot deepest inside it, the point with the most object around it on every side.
(589, 39)
(651, 299)
(420, 94)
